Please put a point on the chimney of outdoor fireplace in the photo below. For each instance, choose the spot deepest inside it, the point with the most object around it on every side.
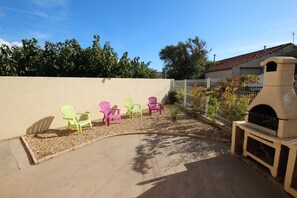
(279, 71)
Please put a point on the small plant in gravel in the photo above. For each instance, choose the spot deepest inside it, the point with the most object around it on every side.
(173, 113)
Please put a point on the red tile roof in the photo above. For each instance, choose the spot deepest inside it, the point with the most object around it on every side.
(238, 60)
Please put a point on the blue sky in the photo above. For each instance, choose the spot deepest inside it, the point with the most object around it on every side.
(143, 28)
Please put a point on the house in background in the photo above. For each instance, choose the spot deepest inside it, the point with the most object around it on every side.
(246, 63)
(160, 75)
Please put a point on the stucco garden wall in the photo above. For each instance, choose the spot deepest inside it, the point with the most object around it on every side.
(31, 104)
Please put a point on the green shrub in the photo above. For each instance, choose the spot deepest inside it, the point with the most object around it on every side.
(198, 97)
(172, 97)
(213, 106)
(234, 107)
(180, 95)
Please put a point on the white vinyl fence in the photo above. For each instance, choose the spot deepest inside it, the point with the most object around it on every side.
(209, 83)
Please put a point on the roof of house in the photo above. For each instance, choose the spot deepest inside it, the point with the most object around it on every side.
(228, 63)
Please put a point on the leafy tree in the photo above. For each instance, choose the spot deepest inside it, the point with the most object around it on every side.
(70, 59)
(6, 68)
(26, 59)
(141, 69)
(123, 67)
(292, 51)
(186, 60)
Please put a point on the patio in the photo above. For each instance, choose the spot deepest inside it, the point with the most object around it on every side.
(143, 166)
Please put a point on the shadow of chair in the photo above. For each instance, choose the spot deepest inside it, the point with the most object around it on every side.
(41, 125)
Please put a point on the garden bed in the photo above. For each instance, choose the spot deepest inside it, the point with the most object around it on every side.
(54, 141)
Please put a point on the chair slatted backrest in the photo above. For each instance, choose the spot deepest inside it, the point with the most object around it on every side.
(152, 101)
(105, 107)
(129, 103)
(68, 111)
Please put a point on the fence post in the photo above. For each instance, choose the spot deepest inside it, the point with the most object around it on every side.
(185, 93)
(208, 83)
(207, 94)
(172, 88)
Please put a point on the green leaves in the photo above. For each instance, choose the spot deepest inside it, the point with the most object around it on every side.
(232, 106)
(185, 60)
(70, 59)
(213, 106)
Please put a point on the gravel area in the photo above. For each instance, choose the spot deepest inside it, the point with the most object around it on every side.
(56, 140)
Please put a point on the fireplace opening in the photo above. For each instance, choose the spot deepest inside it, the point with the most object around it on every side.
(264, 116)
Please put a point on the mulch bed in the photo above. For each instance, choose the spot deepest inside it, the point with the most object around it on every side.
(54, 141)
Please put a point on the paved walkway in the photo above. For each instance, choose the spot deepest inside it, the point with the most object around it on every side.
(142, 166)
(13, 157)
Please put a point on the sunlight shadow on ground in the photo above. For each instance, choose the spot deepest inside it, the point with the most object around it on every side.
(166, 146)
(222, 176)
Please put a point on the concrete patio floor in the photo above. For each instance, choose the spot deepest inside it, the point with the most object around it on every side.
(142, 166)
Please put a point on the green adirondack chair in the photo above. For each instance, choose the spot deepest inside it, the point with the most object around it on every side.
(131, 107)
(70, 115)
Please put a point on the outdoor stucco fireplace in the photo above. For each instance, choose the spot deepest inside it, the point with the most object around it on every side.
(269, 133)
(274, 110)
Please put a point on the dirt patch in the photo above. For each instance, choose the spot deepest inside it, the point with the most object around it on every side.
(56, 140)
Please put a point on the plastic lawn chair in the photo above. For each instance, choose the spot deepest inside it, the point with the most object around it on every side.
(153, 105)
(109, 113)
(132, 108)
(70, 115)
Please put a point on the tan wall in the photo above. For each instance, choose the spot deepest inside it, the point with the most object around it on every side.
(219, 74)
(254, 71)
(27, 100)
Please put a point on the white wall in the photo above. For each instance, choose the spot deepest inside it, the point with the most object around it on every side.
(27, 100)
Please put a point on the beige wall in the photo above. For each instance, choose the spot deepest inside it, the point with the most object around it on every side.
(219, 74)
(27, 100)
(251, 70)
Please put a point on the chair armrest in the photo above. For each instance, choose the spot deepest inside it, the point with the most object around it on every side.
(84, 113)
(68, 118)
(138, 105)
(118, 110)
(103, 112)
(161, 105)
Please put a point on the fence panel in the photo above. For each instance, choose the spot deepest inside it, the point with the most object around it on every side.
(187, 85)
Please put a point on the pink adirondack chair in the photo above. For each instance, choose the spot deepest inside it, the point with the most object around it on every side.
(109, 113)
(153, 105)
